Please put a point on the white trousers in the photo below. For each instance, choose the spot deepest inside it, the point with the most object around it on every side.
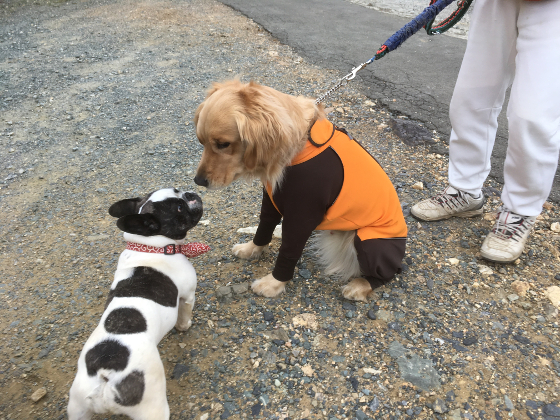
(511, 43)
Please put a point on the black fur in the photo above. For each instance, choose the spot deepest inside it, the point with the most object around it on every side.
(171, 217)
(147, 283)
(125, 321)
(131, 389)
(108, 354)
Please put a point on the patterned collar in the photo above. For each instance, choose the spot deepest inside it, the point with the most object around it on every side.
(190, 250)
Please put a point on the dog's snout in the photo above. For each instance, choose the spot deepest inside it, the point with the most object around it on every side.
(201, 180)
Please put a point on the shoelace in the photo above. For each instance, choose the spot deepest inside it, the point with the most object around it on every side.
(510, 225)
(446, 199)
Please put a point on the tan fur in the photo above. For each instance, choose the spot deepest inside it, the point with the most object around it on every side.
(265, 129)
(268, 286)
(248, 251)
(357, 289)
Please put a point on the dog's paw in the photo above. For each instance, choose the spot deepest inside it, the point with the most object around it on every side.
(268, 286)
(183, 326)
(248, 251)
(357, 289)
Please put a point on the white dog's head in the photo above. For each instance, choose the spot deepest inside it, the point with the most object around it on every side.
(167, 212)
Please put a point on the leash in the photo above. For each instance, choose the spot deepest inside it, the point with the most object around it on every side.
(424, 19)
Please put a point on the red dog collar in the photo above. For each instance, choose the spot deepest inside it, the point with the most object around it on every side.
(191, 250)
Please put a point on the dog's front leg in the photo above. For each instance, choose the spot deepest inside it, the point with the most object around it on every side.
(268, 286)
(248, 251)
(184, 315)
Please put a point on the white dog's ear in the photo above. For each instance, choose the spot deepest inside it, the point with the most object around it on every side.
(125, 207)
(139, 224)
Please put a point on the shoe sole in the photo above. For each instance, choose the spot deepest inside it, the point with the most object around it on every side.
(464, 214)
(497, 259)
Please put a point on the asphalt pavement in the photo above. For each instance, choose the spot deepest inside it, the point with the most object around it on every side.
(416, 80)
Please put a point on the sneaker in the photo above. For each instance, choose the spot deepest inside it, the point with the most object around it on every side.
(450, 203)
(507, 239)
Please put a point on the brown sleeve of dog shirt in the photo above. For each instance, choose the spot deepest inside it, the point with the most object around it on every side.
(308, 190)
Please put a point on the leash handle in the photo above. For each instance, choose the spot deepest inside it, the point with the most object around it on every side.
(446, 24)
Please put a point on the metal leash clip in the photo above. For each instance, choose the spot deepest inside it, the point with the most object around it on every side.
(342, 82)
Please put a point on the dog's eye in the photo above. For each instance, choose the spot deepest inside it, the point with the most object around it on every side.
(180, 208)
(222, 145)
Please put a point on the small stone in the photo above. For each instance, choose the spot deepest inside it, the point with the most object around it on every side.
(485, 270)
(374, 405)
(453, 261)
(371, 314)
(223, 292)
(37, 395)
(555, 227)
(239, 289)
(305, 320)
(418, 185)
(179, 370)
(553, 294)
(469, 341)
(360, 415)
(513, 297)
(383, 315)
(439, 406)
(508, 403)
(520, 287)
(551, 410)
(268, 316)
(306, 274)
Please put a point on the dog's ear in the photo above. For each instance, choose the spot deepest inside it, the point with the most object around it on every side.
(197, 113)
(263, 125)
(139, 224)
(125, 207)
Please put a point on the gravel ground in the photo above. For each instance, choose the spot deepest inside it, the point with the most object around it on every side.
(96, 104)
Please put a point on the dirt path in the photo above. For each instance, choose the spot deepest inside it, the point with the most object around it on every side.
(96, 104)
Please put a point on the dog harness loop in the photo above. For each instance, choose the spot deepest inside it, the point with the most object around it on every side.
(190, 250)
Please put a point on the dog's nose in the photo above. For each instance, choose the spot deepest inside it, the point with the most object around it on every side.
(200, 180)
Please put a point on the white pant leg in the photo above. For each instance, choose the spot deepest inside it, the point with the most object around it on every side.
(534, 109)
(486, 72)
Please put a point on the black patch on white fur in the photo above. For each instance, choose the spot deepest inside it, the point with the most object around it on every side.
(131, 389)
(125, 321)
(109, 354)
(147, 283)
(172, 217)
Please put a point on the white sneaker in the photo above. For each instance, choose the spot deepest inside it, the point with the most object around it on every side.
(507, 239)
(450, 203)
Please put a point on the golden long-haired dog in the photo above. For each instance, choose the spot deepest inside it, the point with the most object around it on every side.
(315, 177)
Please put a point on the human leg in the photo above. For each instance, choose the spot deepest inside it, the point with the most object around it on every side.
(486, 72)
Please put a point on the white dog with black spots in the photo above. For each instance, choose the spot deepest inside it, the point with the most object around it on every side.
(119, 369)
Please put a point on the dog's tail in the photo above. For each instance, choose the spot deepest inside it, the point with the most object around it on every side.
(336, 253)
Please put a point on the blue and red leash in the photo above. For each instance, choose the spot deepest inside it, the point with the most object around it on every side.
(423, 20)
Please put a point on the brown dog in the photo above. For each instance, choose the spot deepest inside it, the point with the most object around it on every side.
(316, 177)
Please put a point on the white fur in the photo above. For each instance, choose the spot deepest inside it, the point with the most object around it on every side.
(90, 395)
(336, 253)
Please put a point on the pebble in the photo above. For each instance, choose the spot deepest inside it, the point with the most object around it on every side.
(38, 394)
(268, 316)
(371, 314)
(553, 294)
(520, 287)
(439, 406)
